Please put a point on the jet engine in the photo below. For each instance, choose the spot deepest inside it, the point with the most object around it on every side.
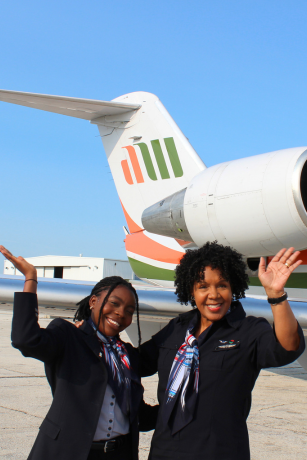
(255, 204)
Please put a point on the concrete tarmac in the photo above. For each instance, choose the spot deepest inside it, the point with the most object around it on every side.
(277, 422)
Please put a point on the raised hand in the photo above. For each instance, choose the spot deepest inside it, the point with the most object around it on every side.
(20, 263)
(274, 277)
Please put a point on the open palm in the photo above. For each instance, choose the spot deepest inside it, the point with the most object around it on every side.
(274, 277)
(19, 262)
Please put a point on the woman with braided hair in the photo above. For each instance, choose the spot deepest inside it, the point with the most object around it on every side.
(86, 307)
(209, 358)
(97, 407)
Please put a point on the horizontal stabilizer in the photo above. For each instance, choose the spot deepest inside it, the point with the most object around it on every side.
(87, 109)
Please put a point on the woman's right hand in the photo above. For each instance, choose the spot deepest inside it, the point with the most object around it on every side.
(79, 323)
(28, 270)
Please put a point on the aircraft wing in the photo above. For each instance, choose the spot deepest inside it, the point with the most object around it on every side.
(152, 301)
(66, 293)
(157, 306)
(87, 109)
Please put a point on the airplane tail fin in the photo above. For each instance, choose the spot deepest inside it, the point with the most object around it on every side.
(149, 156)
(150, 159)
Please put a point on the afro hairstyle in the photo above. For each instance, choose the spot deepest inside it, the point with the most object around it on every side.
(223, 258)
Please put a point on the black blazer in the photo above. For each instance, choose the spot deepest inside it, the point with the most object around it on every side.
(78, 378)
(231, 354)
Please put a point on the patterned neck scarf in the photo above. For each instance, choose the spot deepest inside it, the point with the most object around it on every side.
(183, 384)
(118, 367)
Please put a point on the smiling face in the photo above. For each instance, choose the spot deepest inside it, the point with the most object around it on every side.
(212, 296)
(117, 312)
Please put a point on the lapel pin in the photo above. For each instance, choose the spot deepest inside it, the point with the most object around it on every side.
(100, 355)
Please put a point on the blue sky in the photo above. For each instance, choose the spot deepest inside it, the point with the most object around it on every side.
(233, 74)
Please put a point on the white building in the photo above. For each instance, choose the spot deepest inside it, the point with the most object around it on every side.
(75, 268)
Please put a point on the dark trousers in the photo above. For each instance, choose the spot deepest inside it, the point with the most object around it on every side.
(120, 454)
(124, 452)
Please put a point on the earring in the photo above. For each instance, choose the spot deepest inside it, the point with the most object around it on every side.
(91, 308)
(192, 298)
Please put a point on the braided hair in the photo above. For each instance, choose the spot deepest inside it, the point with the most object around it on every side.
(223, 258)
(106, 284)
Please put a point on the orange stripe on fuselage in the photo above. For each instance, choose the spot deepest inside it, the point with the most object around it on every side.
(138, 243)
(127, 172)
(133, 227)
(135, 164)
(303, 257)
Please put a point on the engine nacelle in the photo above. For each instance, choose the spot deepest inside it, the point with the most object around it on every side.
(256, 205)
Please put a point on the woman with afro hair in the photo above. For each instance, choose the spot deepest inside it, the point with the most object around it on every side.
(209, 358)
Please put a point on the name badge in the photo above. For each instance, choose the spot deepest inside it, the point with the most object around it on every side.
(227, 345)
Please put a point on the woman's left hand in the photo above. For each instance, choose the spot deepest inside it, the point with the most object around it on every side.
(274, 277)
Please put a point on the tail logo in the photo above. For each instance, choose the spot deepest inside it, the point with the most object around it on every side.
(158, 153)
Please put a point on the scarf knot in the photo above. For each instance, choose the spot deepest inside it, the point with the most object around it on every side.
(183, 383)
(118, 367)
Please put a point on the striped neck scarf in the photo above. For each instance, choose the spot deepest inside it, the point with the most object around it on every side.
(118, 367)
(182, 383)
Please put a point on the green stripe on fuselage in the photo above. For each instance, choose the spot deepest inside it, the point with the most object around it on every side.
(147, 160)
(296, 280)
(173, 156)
(160, 159)
(143, 270)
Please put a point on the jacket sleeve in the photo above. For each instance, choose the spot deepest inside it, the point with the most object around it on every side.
(269, 352)
(32, 340)
(149, 351)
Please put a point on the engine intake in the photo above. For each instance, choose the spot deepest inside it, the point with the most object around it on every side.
(167, 217)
